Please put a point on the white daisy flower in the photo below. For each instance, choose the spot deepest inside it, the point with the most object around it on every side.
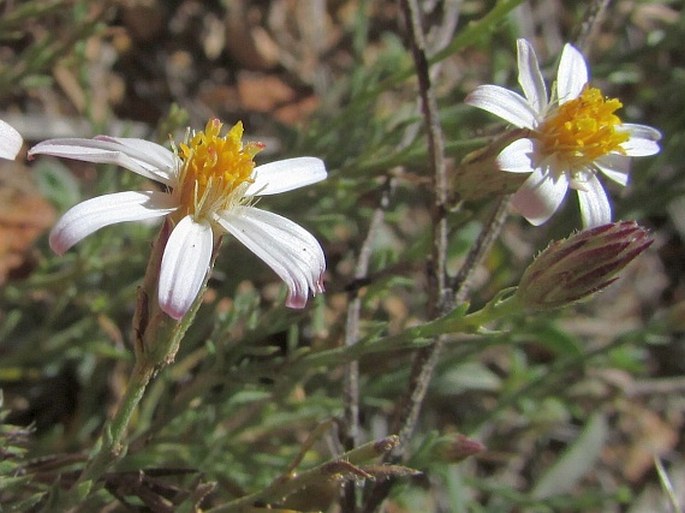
(209, 185)
(10, 141)
(573, 136)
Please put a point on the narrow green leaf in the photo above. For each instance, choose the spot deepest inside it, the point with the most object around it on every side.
(577, 461)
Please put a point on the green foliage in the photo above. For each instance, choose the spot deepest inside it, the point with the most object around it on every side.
(72, 22)
(241, 421)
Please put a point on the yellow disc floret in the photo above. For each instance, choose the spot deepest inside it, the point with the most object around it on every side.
(215, 170)
(583, 129)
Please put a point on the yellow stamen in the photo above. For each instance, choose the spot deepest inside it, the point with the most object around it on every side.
(214, 169)
(583, 129)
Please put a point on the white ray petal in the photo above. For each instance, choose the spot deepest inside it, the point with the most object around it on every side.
(10, 141)
(529, 77)
(290, 250)
(643, 140)
(286, 175)
(539, 197)
(89, 216)
(572, 74)
(594, 204)
(106, 150)
(185, 264)
(508, 105)
(615, 167)
(517, 157)
(155, 154)
(642, 131)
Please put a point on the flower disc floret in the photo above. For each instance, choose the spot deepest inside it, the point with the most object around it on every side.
(215, 170)
(583, 129)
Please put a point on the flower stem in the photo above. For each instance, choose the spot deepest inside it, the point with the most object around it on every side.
(156, 340)
(504, 305)
(110, 447)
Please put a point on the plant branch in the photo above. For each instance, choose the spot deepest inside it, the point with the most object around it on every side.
(349, 435)
(439, 300)
(461, 283)
(345, 467)
(588, 28)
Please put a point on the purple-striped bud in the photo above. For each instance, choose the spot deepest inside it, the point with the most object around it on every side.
(575, 268)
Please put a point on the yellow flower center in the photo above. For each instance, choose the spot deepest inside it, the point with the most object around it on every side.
(215, 170)
(583, 129)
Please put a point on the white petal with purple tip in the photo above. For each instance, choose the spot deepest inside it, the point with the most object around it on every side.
(185, 264)
(290, 250)
(89, 216)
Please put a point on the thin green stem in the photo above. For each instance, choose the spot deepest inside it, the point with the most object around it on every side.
(414, 337)
(157, 339)
(111, 447)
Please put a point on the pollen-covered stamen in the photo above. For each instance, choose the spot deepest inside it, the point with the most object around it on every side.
(583, 129)
(214, 170)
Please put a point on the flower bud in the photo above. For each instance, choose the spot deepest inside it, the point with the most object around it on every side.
(455, 447)
(575, 268)
(478, 175)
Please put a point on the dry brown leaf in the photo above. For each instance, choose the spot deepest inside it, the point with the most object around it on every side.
(262, 93)
(259, 92)
(246, 40)
(24, 215)
(645, 435)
